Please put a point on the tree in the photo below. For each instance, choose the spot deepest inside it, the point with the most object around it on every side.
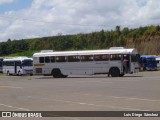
(125, 31)
(158, 28)
(118, 30)
(9, 40)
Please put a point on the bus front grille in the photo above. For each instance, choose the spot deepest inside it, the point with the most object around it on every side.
(38, 70)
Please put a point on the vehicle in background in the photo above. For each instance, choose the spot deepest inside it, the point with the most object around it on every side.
(148, 62)
(1, 65)
(18, 66)
(158, 61)
(91, 62)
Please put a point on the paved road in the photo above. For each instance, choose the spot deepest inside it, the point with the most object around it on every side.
(138, 92)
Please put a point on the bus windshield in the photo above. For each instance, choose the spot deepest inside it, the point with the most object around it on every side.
(27, 63)
(151, 60)
(135, 58)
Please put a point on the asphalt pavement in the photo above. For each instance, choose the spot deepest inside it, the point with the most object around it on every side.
(136, 92)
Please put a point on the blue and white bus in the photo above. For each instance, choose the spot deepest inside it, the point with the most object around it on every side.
(148, 62)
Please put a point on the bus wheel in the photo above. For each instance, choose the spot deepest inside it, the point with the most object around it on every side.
(121, 75)
(144, 69)
(19, 73)
(114, 72)
(56, 73)
(8, 74)
(64, 76)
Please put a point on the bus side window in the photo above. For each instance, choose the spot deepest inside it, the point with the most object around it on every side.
(4, 63)
(10, 63)
(73, 58)
(52, 59)
(47, 60)
(41, 60)
(105, 57)
(61, 59)
(101, 57)
(97, 57)
(86, 58)
(18, 63)
(115, 57)
(144, 61)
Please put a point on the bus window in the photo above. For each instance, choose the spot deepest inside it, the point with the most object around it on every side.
(18, 63)
(41, 60)
(135, 58)
(27, 63)
(73, 58)
(144, 61)
(61, 59)
(86, 58)
(115, 57)
(52, 59)
(47, 60)
(101, 57)
(9, 63)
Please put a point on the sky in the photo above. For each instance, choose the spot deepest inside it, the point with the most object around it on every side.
(23, 19)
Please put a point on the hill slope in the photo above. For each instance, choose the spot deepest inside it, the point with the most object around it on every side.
(145, 39)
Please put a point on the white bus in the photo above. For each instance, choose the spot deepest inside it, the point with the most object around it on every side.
(91, 62)
(18, 66)
(158, 61)
(1, 65)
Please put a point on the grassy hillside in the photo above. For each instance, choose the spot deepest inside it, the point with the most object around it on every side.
(28, 53)
(145, 39)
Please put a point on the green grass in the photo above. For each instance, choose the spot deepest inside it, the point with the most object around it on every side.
(25, 53)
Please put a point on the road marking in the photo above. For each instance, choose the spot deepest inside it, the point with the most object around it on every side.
(134, 98)
(124, 108)
(9, 106)
(10, 87)
(91, 104)
(129, 98)
(102, 81)
(25, 109)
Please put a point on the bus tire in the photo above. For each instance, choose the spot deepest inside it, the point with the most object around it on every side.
(8, 73)
(64, 76)
(144, 69)
(56, 73)
(19, 73)
(121, 75)
(114, 72)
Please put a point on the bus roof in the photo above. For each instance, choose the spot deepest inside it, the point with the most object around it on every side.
(16, 58)
(147, 56)
(158, 58)
(87, 52)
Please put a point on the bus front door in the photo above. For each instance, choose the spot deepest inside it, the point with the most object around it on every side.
(126, 63)
(15, 68)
